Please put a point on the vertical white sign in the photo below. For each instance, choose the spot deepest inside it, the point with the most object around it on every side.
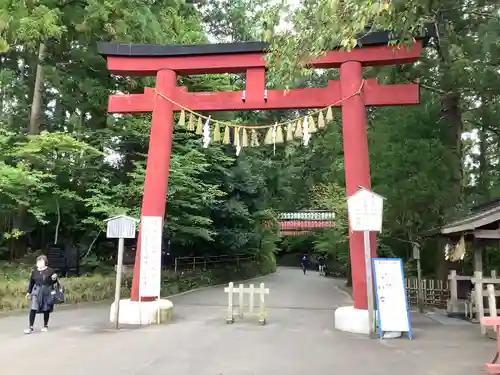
(151, 238)
(391, 297)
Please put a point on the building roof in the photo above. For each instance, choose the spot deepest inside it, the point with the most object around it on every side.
(479, 216)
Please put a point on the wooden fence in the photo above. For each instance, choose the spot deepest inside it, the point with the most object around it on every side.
(435, 293)
(199, 263)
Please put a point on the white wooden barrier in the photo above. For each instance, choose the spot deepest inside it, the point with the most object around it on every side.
(492, 303)
(479, 293)
(241, 291)
(454, 304)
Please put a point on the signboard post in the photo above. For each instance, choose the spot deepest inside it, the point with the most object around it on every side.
(420, 298)
(365, 215)
(120, 227)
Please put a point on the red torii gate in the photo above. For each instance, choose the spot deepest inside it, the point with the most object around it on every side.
(168, 62)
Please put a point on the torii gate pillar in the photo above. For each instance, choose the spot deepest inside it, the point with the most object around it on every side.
(158, 167)
(357, 173)
(357, 168)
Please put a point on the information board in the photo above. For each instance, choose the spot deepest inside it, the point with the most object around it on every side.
(121, 227)
(151, 237)
(365, 210)
(390, 293)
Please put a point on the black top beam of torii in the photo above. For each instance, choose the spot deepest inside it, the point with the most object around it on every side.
(371, 39)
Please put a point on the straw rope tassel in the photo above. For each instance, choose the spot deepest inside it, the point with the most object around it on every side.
(298, 129)
(199, 128)
(244, 138)
(268, 140)
(289, 132)
(182, 118)
(216, 135)
(254, 141)
(190, 126)
(279, 135)
(312, 125)
(329, 115)
(321, 121)
(227, 136)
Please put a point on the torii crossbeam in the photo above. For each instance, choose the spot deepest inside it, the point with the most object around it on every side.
(168, 62)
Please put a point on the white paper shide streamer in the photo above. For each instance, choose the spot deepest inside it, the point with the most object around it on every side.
(274, 138)
(206, 133)
(238, 142)
(305, 131)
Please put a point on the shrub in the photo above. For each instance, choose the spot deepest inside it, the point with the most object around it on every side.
(267, 263)
(77, 290)
(11, 271)
(100, 287)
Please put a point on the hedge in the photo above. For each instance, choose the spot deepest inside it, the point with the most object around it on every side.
(101, 287)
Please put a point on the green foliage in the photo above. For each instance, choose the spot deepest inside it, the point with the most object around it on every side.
(430, 161)
(100, 287)
(86, 166)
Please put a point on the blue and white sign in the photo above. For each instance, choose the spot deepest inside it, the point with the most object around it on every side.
(390, 294)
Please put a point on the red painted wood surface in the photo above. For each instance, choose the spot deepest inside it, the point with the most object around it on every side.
(240, 63)
(357, 170)
(492, 368)
(492, 321)
(373, 95)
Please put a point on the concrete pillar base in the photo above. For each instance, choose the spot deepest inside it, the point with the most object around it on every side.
(349, 319)
(153, 312)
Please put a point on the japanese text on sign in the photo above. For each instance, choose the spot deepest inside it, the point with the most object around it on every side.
(365, 211)
(391, 295)
(150, 274)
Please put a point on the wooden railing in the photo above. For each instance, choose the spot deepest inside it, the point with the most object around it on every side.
(435, 293)
(457, 298)
(480, 293)
(193, 263)
(460, 295)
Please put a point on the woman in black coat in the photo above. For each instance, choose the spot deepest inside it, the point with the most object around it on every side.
(40, 289)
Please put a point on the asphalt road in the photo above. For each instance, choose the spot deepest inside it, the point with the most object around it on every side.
(298, 339)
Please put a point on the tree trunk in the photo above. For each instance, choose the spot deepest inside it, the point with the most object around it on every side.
(36, 104)
(451, 113)
(58, 224)
(483, 177)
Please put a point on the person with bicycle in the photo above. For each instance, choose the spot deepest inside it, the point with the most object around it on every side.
(321, 266)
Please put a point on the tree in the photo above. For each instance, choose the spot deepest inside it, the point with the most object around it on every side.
(75, 165)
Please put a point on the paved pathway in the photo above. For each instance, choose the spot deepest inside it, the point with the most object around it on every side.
(298, 339)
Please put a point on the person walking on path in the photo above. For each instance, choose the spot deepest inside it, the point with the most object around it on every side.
(321, 267)
(304, 262)
(41, 285)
